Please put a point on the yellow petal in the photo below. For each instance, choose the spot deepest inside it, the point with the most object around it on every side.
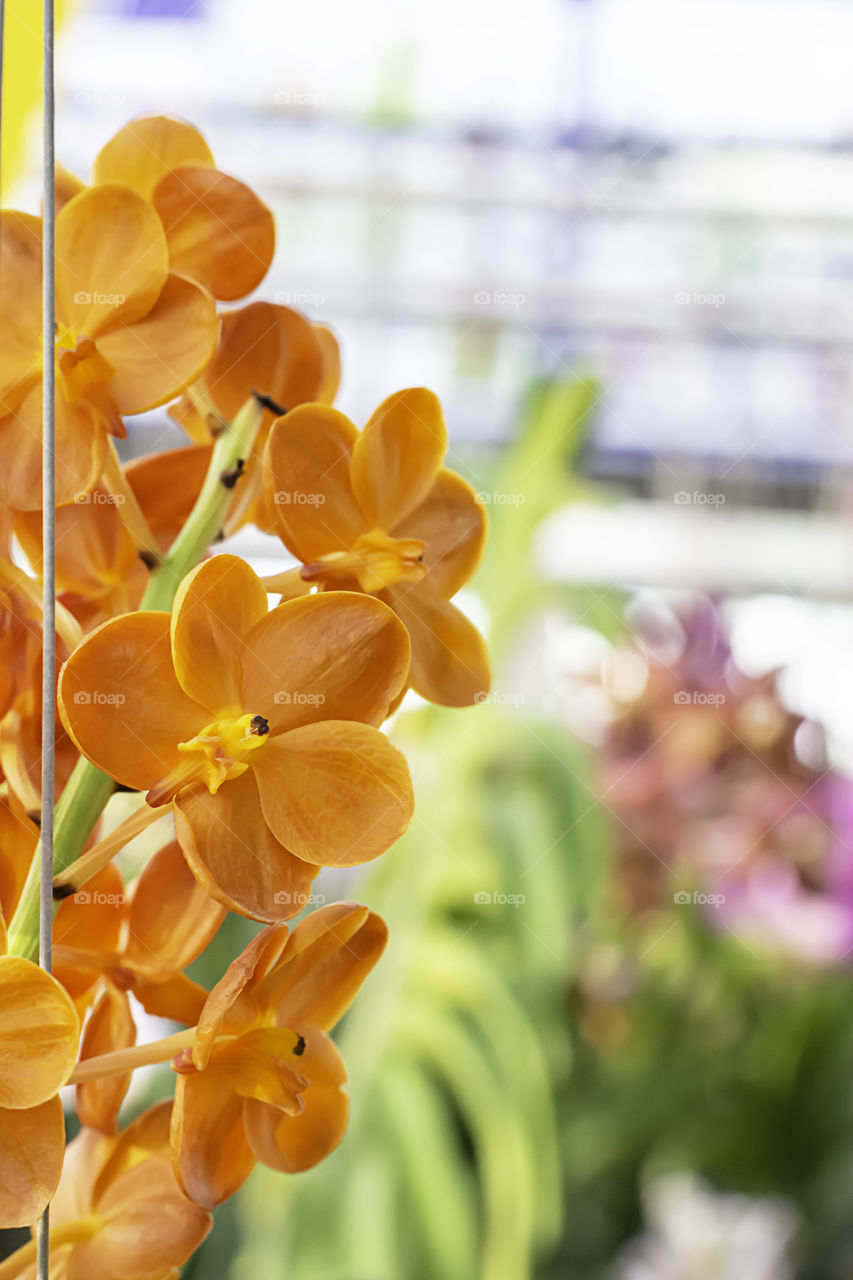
(451, 523)
(397, 456)
(450, 661)
(331, 364)
(121, 701)
(336, 792)
(178, 998)
(110, 1026)
(250, 967)
(215, 607)
(166, 486)
(172, 919)
(90, 922)
(219, 233)
(235, 857)
(293, 1143)
(39, 1034)
(111, 259)
(212, 1158)
(148, 1227)
(265, 348)
(146, 149)
(20, 312)
(307, 482)
(264, 1064)
(327, 958)
(335, 656)
(157, 356)
(32, 1146)
(18, 840)
(80, 451)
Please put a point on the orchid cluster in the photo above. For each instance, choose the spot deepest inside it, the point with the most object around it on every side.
(257, 730)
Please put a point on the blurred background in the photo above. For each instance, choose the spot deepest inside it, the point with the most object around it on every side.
(613, 1037)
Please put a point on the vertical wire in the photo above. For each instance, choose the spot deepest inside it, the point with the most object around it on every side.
(48, 690)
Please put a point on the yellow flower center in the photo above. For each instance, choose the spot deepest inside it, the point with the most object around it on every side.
(376, 560)
(214, 756)
(81, 369)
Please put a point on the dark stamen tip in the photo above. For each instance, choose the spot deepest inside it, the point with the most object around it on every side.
(149, 558)
(300, 1047)
(267, 402)
(259, 725)
(61, 891)
(229, 478)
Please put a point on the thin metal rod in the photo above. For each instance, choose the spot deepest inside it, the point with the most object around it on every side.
(48, 688)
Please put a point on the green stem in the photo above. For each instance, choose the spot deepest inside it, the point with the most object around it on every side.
(79, 808)
(88, 789)
(208, 515)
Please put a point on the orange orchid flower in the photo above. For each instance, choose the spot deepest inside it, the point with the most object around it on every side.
(130, 335)
(39, 1035)
(99, 572)
(218, 232)
(272, 350)
(263, 1081)
(118, 1210)
(136, 941)
(376, 511)
(19, 836)
(21, 645)
(261, 729)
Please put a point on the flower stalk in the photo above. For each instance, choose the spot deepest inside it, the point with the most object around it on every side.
(88, 788)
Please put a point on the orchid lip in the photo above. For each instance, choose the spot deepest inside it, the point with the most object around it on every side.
(215, 755)
(376, 559)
